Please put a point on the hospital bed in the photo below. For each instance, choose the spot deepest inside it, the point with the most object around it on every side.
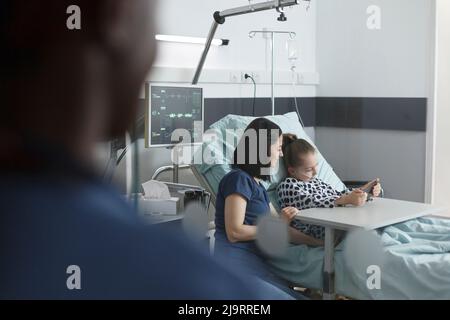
(417, 252)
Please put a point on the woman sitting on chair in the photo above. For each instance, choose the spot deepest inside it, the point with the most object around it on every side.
(242, 200)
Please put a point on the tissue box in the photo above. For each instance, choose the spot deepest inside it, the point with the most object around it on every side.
(159, 206)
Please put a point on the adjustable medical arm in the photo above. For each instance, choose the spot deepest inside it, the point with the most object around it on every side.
(219, 18)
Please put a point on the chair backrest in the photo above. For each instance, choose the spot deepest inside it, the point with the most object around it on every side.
(204, 183)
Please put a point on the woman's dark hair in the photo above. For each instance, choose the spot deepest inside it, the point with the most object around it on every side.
(247, 155)
(294, 149)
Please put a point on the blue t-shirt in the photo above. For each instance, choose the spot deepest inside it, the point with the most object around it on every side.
(240, 182)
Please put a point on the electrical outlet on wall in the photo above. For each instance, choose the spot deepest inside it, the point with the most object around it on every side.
(256, 76)
(243, 80)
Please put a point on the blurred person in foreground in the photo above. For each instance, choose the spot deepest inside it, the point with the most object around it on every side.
(61, 92)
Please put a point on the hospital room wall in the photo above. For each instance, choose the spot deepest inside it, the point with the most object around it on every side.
(221, 77)
(194, 18)
(368, 76)
(440, 194)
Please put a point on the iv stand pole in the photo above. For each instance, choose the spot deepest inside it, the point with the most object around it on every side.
(272, 33)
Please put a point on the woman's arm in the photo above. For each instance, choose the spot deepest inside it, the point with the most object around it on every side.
(235, 206)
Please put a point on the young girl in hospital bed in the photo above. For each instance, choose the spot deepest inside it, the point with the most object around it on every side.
(302, 190)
